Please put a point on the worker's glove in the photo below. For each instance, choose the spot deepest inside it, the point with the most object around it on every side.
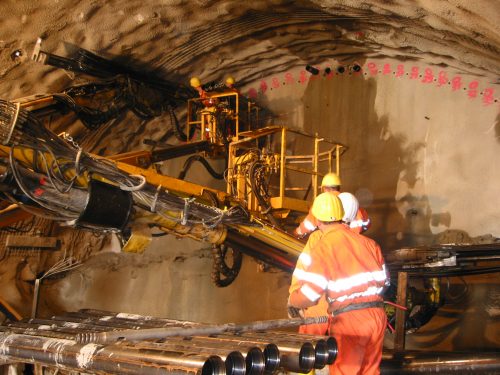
(298, 234)
(294, 312)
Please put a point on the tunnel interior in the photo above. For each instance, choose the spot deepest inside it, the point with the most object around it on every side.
(410, 88)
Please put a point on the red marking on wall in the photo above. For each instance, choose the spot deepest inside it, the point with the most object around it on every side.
(400, 70)
(263, 86)
(387, 69)
(456, 83)
(472, 92)
(252, 93)
(414, 72)
(372, 67)
(426, 76)
(442, 78)
(359, 34)
(488, 97)
(303, 77)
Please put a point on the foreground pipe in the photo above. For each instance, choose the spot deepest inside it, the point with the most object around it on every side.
(236, 362)
(301, 360)
(331, 343)
(249, 361)
(320, 354)
(258, 357)
(65, 354)
(206, 330)
(295, 355)
(269, 349)
(418, 362)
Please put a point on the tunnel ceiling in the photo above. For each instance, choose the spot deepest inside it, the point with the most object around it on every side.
(249, 39)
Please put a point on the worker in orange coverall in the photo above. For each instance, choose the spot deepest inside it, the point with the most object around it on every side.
(351, 206)
(349, 269)
(329, 183)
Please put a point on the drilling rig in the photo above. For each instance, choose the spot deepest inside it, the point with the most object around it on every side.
(46, 174)
(271, 176)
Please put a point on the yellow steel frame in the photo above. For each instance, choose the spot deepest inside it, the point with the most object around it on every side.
(282, 200)
(206, 120)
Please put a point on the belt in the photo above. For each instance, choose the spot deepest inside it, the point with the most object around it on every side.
(357, 306)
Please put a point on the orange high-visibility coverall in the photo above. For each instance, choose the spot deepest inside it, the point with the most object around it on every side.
(362, 221)
(349, 268)
(321, 308)
(302, 264)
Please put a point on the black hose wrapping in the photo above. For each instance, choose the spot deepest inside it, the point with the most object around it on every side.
(189, 161)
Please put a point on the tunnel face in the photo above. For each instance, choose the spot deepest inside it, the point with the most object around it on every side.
(411, 89)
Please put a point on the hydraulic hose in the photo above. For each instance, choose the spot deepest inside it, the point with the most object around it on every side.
(256, 190)
(176, 126)
(189, 161)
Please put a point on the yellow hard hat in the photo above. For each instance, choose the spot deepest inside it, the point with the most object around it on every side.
(327, 207)
(230, 80)
(331, 179)
(195, 82)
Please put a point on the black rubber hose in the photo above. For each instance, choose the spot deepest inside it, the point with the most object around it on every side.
(256, 190)
(189, 161)
(176, 126)
(223, 274)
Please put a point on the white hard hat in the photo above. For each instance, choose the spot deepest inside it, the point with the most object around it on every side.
(351, 206)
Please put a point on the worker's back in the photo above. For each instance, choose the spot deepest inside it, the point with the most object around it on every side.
(352, 264)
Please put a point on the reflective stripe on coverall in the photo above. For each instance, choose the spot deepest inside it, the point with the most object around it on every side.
(362, 222)
(349, 268)
(297, 280)
(299, 275)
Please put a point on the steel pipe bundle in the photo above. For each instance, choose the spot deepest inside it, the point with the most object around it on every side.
(258, 356)
(68, 354)
(295, 355)
(54, 343)
(269, 349)
(318, 342)
(249, 362)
